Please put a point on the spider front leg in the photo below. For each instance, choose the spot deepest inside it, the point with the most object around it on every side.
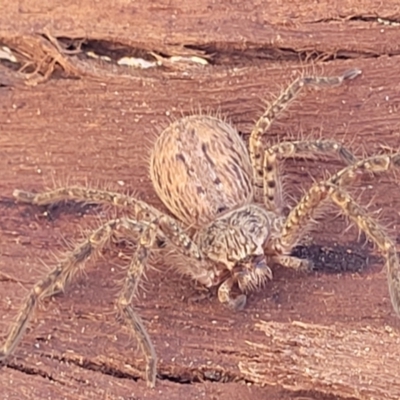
(265, 121)
(225, 295)
(200, 270)
(272, 184)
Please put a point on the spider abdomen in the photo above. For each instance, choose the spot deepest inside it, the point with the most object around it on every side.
(200, 168)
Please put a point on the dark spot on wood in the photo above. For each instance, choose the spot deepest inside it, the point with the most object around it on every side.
(271, 184)
(221, 209)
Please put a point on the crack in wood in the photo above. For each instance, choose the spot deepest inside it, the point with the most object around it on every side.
(32, 371)
(77, 57)
(182, 375)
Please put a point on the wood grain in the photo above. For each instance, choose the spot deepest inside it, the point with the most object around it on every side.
(324, 336)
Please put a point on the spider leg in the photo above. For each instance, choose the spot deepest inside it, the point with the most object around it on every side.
(91, 196)
(299, 218)
(374, 164)
(225, 296)
(301, 215)
(141, 210)
(70, 265)
(265, 121)
(57, 278)
(378, 236)
(132, 319)
(91, 247)
(273, 192)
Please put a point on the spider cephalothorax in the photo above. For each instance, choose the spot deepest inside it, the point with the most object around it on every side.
(227, 228)
(235, 241)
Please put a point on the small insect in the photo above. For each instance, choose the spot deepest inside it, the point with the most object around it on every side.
(228, 226)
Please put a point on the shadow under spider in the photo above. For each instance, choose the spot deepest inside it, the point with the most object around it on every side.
(336, 259)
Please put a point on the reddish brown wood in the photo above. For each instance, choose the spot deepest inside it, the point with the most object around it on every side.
(325, 336)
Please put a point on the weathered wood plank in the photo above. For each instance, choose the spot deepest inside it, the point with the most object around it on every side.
(264, 30)
(100, 131)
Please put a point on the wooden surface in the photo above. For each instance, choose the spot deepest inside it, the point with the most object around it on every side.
(306, 336)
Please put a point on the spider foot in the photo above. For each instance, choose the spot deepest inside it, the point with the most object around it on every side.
(225, 295)
(23, 196)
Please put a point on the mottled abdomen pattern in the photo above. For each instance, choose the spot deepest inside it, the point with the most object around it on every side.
(200, 167)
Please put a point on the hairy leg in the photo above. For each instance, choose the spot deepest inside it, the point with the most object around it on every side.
(273, 193)
(374, 164)
(124, 302)
(56, 279)
(139, 208)
(73, 262)
(301, 215)
(225, 295)
(265, 121)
